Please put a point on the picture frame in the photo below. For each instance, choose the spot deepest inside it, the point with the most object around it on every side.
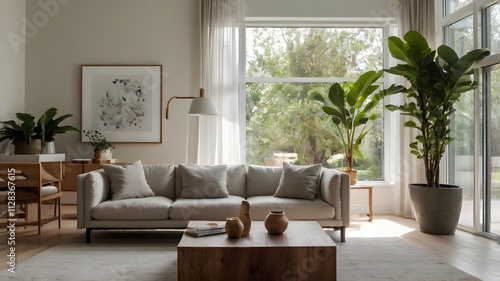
(123, 102)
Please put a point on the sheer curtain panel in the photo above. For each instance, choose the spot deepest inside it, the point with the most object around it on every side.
(413, 15)
(220, 136)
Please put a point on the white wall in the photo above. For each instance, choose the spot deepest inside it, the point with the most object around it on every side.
(320, 8)
(12, 62)
(70, 33)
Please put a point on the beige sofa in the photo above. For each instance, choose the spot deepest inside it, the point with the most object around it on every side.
(168, 210)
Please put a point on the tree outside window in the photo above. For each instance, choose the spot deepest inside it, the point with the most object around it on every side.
(284, 68)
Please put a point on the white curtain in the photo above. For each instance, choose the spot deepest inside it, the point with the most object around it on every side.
(413, 15)
(220, 136)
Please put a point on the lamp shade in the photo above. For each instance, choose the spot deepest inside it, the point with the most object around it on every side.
(202, 106)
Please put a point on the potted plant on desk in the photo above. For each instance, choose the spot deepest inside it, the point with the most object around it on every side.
(48, 127)
(29, 137)
(102, 148)
(22, 134)
(437, 79)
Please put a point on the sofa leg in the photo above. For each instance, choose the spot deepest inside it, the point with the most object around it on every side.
(87, 235)
(342, 232)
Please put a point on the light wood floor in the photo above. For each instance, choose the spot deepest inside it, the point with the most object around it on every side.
(475, 255)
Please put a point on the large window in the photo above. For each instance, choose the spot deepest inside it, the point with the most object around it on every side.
(284, 67)
(474, 157)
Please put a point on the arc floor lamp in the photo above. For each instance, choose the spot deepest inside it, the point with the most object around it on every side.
(199, 106)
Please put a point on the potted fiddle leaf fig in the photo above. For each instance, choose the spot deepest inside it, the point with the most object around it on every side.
(349, 106)
(437, 78)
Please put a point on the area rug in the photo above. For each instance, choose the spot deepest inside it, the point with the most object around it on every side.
(152, 256)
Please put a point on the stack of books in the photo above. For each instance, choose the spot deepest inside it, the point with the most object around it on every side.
(205, 229)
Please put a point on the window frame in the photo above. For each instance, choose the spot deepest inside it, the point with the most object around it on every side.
(476, 9)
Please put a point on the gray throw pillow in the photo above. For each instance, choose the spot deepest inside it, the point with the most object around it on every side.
(203, 181)
(127, 181)
(299, 181)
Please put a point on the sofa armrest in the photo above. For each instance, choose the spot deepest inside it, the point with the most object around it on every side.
(335, 190)
(92, 189)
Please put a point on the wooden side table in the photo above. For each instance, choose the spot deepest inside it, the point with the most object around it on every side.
(370, 197)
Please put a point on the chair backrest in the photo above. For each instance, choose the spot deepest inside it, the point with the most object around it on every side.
(27, 180)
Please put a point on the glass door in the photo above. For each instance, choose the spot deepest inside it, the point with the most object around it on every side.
(491, 163)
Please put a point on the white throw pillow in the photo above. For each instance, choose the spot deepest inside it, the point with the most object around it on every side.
(299, 181)
(128, 181)
(203, 181)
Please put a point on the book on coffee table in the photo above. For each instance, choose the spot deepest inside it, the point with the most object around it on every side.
(198, 233)
(206, 226)
(205, 229)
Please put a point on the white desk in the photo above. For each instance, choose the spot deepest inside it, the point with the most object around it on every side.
(17, 158)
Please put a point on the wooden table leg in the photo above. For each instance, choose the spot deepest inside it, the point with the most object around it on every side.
(370, 202)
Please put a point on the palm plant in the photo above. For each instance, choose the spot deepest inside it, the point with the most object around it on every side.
(350, 107)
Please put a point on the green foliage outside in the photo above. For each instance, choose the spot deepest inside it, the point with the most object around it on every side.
(283, 116)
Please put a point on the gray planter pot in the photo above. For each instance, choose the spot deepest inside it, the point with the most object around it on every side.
(437, 210)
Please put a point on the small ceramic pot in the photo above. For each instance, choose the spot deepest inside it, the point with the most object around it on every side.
(276, 222)
(234, 227)
(103, 154)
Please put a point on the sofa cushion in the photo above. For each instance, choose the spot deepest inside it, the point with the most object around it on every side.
(217, 209)
(203, 181)
(161, 179)
(149, 208)
(237, 180)
(262, 180)
(295, 209)
(127, 181)
(299, 181)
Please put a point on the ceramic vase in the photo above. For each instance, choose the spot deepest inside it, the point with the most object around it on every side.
(245, 218)
(276, 222)
(234, 227)
(49, 148)
(103, 154)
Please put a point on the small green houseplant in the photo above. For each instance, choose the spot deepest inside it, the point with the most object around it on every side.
(24, 131)
(29, 137)
(350, 107)
(98, 142)
(437, 79)
(21, 134)
(47, 127)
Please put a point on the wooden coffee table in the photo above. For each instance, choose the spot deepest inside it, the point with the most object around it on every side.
(303, 252)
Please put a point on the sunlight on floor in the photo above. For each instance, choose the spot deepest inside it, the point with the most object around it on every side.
(377, 228)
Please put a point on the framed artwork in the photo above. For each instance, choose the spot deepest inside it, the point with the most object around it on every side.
(123, 102)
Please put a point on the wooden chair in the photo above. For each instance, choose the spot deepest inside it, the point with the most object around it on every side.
(32, 185)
